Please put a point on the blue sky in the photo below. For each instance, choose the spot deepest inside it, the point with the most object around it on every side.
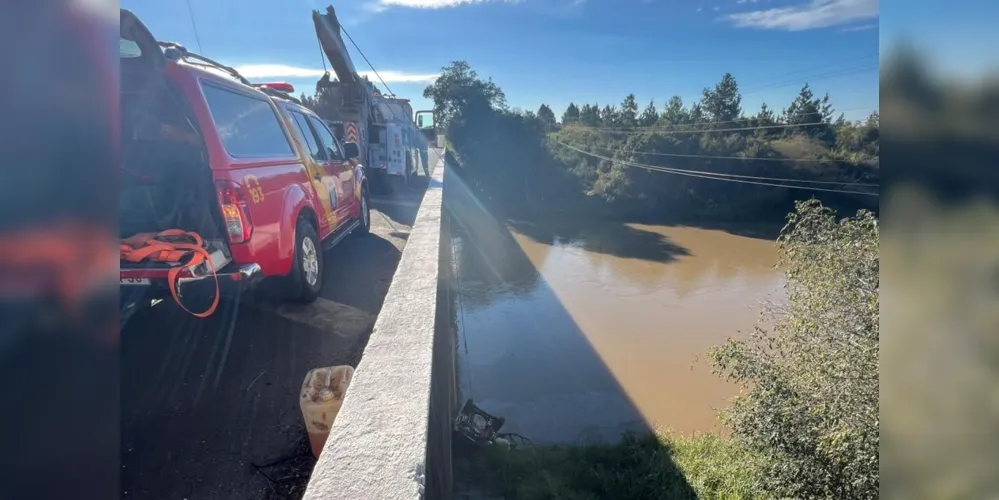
(958, 37)
(556, 51)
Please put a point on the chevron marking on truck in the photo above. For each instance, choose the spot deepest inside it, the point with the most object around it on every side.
(351, 133)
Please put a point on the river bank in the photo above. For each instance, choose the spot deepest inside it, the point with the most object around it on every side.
(652, 466)
(581, 331)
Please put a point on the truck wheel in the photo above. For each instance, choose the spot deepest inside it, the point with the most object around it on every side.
(397, 184)
(379, 182)
(306, 278)
(365, 226)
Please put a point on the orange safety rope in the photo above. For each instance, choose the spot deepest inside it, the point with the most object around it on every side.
(170, 246)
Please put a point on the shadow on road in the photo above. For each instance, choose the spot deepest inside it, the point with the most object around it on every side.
(400, 207)
(205, 402)
(521, 355)
(360, 270)
(397, 212)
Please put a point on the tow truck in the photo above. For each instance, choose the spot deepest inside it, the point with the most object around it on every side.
(381, 125)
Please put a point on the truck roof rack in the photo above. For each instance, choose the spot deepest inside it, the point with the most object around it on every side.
(276, 93)
(176, 51)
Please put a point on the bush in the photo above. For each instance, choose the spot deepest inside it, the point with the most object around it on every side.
(810, 405)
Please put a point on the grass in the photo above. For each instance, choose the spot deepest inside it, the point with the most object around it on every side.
(639, 467)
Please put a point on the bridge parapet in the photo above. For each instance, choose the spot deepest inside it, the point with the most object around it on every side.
(393, 430)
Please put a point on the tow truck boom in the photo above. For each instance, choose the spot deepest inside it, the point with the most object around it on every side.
(381, 125)
(356, 98)
(328, 31)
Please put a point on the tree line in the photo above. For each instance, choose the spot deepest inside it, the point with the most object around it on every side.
(517, 156)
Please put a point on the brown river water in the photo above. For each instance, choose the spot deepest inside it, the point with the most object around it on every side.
(579, 332)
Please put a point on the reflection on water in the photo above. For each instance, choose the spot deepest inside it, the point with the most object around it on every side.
(579, 333)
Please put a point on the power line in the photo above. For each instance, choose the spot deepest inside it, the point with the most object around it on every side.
(715, 176)
(822, 68)
(696, 131)
(197, 38)
(743, 158)
(814, 72)
(824, 76)
(654, 128)
(359, 51)
(838, 183)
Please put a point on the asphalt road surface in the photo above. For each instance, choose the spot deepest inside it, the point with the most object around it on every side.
(210, 407)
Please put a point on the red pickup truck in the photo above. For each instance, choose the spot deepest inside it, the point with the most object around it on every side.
(258, 176)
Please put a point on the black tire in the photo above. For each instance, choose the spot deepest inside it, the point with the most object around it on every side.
(425, 161)
(378, 181)
(396, 184)
(365, 227)
(299, 287)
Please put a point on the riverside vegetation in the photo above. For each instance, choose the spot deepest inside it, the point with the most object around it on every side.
(806, 422)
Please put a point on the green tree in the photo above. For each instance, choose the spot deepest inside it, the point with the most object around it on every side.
(696, 115)
(811, 386)
(609, 116)
(649, 116)
(547, 116)
(675, 113)
(859, 141)
(571, 114)
(628, 116)
(460, 88)
(723, 103)
(874, 119)
(810, 115)
(308, 101)
(765, 117)
(589, 115)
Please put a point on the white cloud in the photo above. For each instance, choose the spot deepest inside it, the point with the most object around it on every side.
(862, 27)
(277, 71)
(811, 15)
(740, 2)
(700, 9)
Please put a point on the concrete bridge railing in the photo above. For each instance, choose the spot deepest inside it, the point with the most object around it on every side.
(392, 437)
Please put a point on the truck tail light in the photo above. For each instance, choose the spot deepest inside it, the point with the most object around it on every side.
(235, 211)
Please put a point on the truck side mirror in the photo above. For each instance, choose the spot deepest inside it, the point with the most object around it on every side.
(350, 150)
